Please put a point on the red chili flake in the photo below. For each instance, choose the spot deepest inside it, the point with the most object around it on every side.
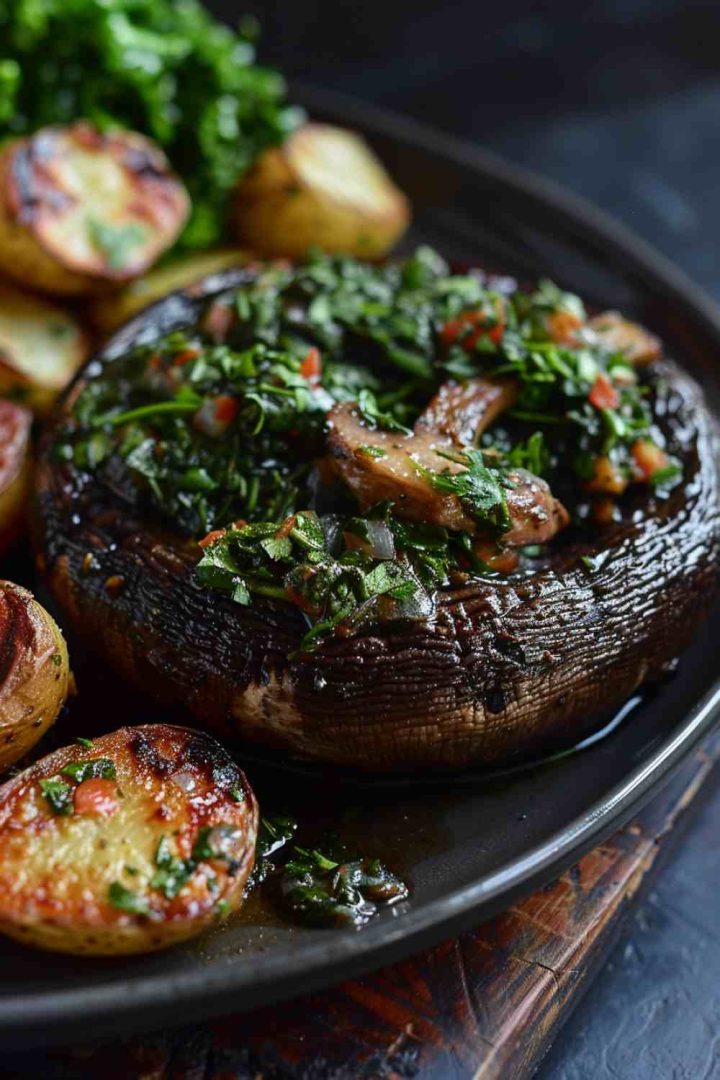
(603, 394)
(562, 327)
(311, 367)
(286, 527)
(96, 796)
(185, 357)
(457, 328)
(211, 538)
(226, 409)
(647, 458)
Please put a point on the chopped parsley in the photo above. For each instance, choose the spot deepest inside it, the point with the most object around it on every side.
(95, 769)
(115, 243)
(274, 833)
(172, 872)
(58, 794)
(127, 900)
(479, 487)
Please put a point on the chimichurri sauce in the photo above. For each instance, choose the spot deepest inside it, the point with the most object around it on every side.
(320, 887)
(219, 431)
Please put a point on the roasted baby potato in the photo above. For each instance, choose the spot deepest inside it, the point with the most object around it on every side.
(323, 187)
(128, 844)
(108, 312)
(81, 210)
(15, 470)
(35, 675)
(41, 348)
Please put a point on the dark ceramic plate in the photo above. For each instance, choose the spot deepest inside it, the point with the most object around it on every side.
(470, 844)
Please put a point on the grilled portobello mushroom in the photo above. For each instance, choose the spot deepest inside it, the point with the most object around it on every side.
(388, 517)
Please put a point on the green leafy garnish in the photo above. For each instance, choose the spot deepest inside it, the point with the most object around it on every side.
(172, 872)
(202, 849)
(126, 900)
(96, 769)
(481, 488)
(115, 243)
(374, 416)
(58, 794)
(337, 891)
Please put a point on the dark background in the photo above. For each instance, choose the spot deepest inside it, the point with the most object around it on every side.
(621, 102)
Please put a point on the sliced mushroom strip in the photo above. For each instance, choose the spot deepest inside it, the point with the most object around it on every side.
(619, 334)
(380, 465)
(462, 411)
(536, 515)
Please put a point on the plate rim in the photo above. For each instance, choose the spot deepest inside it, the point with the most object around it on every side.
(146, 1001)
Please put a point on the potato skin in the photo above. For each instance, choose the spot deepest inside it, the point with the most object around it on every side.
(508, 668)
(15, 471)
(34, 672)
(66, 193)
(42, 346)
(323, 187)
(56, 870)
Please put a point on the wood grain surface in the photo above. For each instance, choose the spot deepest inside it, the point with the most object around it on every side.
(484, 1006)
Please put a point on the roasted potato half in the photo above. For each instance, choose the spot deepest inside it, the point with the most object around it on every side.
(35, 673)
(15, 470)
(128, 844)
(323, 187)
(41, 348)
(81, 210)
(108, 312)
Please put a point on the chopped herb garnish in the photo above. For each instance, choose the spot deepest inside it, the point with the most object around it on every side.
(667, 477)
(481, 488)
(330, 588)
(115, 242)
(325, 891)
(58, 794)
(374, 416)
(87, 743)
(96, 769)
(202, 848)
(126, 900)
(373, 451)
(172, 872)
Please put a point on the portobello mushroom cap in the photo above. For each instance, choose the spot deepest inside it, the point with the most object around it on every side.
(505, 669)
